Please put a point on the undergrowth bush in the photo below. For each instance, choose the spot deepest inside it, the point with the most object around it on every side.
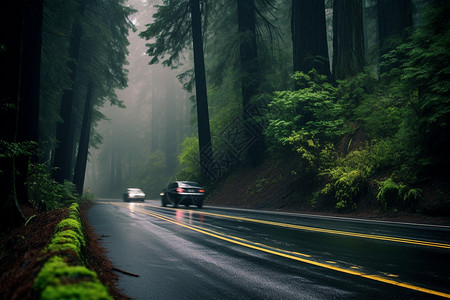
(348, 177)
(46, 193)
(389, 193)
(397, 195)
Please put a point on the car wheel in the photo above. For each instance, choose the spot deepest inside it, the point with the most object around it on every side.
(163, 201)
(200, 204)
(174, 200)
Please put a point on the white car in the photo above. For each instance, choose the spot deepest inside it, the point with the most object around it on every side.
(133, 194)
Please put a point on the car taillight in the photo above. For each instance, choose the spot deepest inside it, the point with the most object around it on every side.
(180, 190)
(201, 191)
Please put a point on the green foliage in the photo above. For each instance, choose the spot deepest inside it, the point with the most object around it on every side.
(418, 69)
(389, 193)
(13, 150)
(44, 192)
(169, 33)
(348, 177)
(348, 188)
(189, 159)
(397, 195)
(311, 111)
(352, 91)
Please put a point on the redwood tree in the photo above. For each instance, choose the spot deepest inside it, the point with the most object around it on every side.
(348, 39)
(309, 36)
(20, 56)
(250, 75)
(394, 17)
(64, 131)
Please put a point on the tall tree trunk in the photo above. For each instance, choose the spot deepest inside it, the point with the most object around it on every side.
(118, 178)
(171, 130)
(112, 173)
(83, 147)
(204, 135)
(309, 36)
(250, 77)
(28, 109)
(348, 40)
(20, 56)
(394, 17)
(64, 131)
(154, 121)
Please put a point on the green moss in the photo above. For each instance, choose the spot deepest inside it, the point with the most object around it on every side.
(74, 212)
(78, 239)
(64, 247)
(56, 272)
(71, 224)
(57, 279)
(68, 237)
(84, 290)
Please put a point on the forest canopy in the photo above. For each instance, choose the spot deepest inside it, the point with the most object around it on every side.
(353, 93)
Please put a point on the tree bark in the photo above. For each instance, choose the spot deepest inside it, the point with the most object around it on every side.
(309, 37)
(204, 135)
(171, 130)
(20, 57)
(250, 77)
(394, 16)
(28, 109)
(348, 40)
(64, 131)
(83, 147)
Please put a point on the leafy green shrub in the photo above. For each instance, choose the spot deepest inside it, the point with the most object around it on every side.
(412, 197)
(390, 193)
(348, 188)
(348, 176)
(311, 111)
(44, 192)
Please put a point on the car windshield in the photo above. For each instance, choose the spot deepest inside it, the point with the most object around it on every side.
(189, 184)
(136, 191)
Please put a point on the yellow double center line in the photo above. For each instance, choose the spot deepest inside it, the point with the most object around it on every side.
(288, 254)
(331, 231)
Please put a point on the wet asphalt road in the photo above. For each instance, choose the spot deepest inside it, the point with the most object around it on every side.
(215, 253)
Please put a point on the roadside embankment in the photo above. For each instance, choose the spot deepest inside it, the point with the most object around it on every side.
(65, 275)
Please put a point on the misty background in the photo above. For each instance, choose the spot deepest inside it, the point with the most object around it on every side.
(141, 143)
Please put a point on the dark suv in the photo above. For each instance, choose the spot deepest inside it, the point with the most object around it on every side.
(183, 192)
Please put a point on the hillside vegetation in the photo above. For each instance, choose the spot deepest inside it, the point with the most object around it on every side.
(370, 142)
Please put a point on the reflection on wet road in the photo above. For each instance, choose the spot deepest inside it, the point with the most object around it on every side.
(222, 253)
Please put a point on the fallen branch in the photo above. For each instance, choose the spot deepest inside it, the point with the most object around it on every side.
(125, 272)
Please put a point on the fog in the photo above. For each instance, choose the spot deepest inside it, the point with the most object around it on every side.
(141, 143)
